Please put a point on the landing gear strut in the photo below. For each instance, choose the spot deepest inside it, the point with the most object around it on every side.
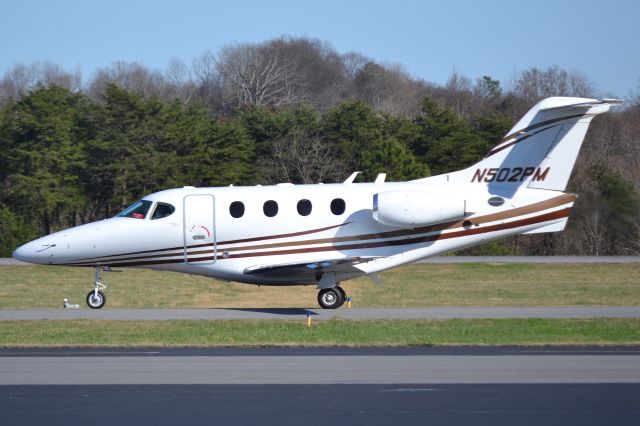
(331, 298)
(96, 298)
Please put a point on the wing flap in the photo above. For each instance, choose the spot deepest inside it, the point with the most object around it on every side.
(309, 271)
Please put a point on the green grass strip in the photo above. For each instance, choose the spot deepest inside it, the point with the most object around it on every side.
(201, 333)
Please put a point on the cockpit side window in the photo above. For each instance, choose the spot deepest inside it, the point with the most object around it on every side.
(137, 210)
(162, 210)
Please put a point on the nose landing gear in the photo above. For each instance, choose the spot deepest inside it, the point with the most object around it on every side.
(96, 299)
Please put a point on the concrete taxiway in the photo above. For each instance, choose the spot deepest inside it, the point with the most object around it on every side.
(526, 386)
(350, 367)
(322, 314)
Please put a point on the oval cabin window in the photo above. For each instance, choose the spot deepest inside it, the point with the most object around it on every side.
(338, 206)
(236, 209)
(270, 208)
(304, 207)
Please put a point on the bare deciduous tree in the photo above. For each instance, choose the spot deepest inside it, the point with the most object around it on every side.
(181, 78)
(253, 76)
(131, 76)
(460, 90)
(22, 78)
(320, 69)
(535, 84)
(208, 81)
(353, 63)
(594, 234)
(301, 157)
(389, 89)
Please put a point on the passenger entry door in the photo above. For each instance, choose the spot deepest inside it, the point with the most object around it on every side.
(199, 229)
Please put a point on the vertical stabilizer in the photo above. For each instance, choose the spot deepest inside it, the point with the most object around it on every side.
(541, 149)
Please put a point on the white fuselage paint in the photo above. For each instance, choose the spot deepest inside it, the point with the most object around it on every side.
(254, 239)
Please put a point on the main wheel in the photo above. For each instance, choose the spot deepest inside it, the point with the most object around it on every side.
(96, 302)
(341, 290)
(330, 298)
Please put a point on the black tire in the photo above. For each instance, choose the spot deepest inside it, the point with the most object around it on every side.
(330, 298)
(341, 290)
(96, 302)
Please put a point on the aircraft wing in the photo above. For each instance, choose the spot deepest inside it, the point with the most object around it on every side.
(309, 271)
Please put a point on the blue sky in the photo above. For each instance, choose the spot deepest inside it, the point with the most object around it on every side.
(429, 38)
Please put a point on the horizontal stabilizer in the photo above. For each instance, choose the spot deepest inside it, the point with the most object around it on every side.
(554, 227)
(585, 105)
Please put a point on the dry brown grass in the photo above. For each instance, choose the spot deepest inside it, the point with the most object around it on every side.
(416, 285)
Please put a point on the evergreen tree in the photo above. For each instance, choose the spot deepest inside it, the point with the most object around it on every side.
(226, 156)
(446, 142)
(390, 156)
(45, 156)
(352, 128)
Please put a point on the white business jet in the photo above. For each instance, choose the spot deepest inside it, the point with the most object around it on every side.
(323, 234)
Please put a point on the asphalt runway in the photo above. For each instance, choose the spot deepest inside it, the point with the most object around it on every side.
(526, 386)
(323, 314)
(372, 405)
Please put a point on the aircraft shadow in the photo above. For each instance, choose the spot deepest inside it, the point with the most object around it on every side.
(274, 311)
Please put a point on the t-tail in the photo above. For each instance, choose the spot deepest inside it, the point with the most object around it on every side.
(541, 149)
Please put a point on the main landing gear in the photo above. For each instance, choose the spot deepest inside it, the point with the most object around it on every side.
(331, 295)
(332, 298)
(96, 298)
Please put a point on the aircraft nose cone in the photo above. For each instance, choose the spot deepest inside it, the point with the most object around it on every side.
(22, 253)
(35, 252)
(19, 254)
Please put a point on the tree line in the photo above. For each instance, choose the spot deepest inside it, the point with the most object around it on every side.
(286, 110)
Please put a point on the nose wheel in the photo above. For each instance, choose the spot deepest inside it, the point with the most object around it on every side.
(96, 299)
(331, 298)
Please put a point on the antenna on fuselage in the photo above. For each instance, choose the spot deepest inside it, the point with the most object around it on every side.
(381, 177)
(351, 178)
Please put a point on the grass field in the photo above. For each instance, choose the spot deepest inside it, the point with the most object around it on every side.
(419, 285)
(324, 333)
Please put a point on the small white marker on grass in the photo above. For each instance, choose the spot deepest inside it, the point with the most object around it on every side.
(67, 305)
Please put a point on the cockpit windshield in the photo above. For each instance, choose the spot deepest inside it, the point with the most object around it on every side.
(162, 210)
(137, 210)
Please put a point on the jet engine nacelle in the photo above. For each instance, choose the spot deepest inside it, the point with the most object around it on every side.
(406, 209)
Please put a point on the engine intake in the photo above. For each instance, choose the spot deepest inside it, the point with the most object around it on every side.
(410, 209)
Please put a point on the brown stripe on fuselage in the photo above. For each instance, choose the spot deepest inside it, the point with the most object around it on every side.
(272, 237)
(558, 214)
(519, 211)
(145, 251)
(246, 240)
(507, 214)
(408, 241)
(155, 256)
